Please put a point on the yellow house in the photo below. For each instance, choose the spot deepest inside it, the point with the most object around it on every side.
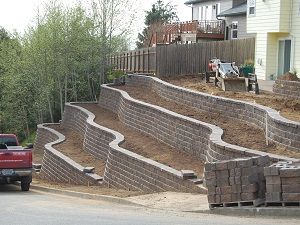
(277, 27)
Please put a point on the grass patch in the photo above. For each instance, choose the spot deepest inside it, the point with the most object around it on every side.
(30, 139)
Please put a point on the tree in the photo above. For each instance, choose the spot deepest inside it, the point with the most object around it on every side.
(112, 25)
(159, 14)
(62, 58)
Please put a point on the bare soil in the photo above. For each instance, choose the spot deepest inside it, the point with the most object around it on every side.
(145, 145)
(37, 156)
(288, 108)
(235, 132)
(72, 147)
(290, 77)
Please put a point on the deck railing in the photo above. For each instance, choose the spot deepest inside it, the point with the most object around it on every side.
(195, 26)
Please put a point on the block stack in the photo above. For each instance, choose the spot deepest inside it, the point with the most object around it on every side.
(283, 183)
(236, 182)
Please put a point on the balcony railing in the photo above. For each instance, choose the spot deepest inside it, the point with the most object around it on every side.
(202, 29)
(195, 26)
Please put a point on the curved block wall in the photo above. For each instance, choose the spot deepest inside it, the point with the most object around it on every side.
(56, 166)
(197, 138)
(124, 169)
(287, 88)
(96, 138)
(278, 129)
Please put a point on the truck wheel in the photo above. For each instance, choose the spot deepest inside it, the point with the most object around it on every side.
(25, 186)
(25, 183)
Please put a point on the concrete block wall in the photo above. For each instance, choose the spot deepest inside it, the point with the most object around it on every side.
(197, 138)
(286, 88)
(43, 137)
(277, 128)
(56, 166)
(236, 181)
(283, 182)
(124, 169)
(96, 138)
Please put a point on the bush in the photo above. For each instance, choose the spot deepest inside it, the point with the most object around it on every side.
(247, 67)
(113, 74)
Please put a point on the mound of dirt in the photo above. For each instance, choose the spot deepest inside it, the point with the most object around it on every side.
(290, 77)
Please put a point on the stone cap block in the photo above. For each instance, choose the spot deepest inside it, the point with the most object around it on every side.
(89, 169)
(188, 174)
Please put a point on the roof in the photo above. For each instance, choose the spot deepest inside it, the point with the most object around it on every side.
(194, 1)
(234, 11)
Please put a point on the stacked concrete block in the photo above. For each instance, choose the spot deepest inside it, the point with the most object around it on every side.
(286, 88)
(280, 131)
(236, 181)
(283, 183)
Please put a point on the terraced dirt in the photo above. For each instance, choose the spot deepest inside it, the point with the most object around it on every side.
(288, 108)
(145, 145)
(72, 147)
(235, 132)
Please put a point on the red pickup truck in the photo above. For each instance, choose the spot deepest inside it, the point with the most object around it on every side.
(15, 161)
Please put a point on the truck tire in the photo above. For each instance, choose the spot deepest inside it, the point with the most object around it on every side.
(25, 183)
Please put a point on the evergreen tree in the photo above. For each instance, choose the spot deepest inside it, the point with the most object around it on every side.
(160, 13)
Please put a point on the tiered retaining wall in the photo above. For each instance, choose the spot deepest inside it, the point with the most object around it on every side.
(286, 88)
(96, 138)
(56, 166)
(128, 170)
(278, 129)
(124, 169)
(197, 138)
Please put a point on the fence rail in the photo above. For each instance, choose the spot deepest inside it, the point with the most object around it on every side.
(174, 60)
(142, 60)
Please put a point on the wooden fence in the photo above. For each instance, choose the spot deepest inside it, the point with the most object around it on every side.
(188, 59)
(142, 60)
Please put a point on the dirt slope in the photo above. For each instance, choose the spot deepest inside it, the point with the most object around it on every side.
(235, 132)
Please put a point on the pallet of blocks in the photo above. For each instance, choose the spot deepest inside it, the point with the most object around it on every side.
(237, 182)
(283, 184)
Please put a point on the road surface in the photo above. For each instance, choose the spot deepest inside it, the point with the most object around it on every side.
(17, 208)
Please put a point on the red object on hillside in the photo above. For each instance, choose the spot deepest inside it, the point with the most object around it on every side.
(15, 161)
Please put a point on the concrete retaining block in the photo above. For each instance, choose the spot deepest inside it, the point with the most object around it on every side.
(277, 128)
(56, 166)
(286, 88)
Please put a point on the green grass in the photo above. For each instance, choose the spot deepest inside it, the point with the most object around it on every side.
(30, 139)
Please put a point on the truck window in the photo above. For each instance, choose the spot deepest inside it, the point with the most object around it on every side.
(9, 141)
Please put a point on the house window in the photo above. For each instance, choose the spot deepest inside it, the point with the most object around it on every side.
(234, 30)
(251, 7)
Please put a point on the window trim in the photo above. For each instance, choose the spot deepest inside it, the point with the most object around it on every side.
(251, 5)
(234, 29)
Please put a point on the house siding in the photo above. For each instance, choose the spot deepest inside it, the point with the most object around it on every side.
(266, 18)
(242, 26)
(224, 5)
(295, 33)
(273, 21)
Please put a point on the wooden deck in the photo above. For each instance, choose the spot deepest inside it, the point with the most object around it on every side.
(175, 32)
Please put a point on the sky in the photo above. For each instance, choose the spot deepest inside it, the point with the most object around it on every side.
(18, 14)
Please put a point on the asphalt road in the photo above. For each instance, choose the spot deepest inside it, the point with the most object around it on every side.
(17, 208)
